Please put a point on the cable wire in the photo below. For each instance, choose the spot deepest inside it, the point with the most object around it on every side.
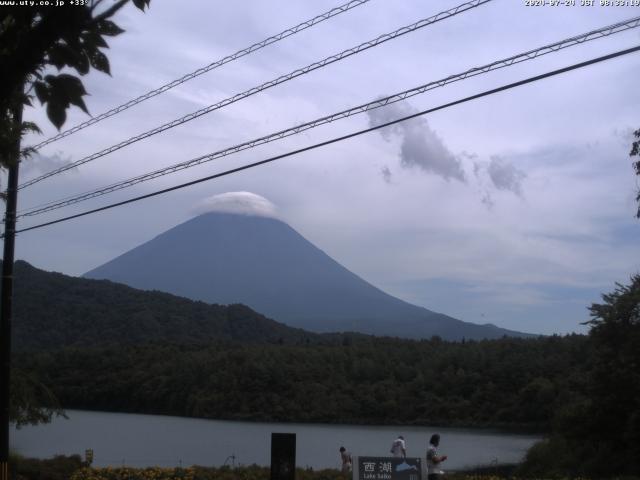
(218, 63)
(521, 57)
(272, 83)
(342, 138)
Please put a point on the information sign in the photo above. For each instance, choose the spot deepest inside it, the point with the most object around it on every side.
(389, 468)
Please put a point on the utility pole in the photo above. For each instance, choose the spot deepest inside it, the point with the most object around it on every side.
(6, 292)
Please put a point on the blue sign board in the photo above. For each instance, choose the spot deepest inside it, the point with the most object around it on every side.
(389, 468)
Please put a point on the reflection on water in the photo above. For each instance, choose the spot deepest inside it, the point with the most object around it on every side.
(143, 440)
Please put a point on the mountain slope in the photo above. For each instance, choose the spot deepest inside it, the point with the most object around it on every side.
(262, 262)
(51, 310)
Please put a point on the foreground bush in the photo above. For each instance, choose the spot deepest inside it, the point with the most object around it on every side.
(60, 467)
(263, 473)
(224, 473)
(72, 468)
(197, 473)
(127, 473)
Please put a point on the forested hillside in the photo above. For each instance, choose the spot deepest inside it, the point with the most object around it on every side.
(508, 382)
(52, 311)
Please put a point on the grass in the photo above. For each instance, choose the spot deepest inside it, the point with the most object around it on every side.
(73, 468)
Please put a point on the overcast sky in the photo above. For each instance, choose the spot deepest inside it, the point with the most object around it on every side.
(516, 209)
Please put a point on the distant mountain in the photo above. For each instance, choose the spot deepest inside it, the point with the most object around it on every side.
(262, 262)
(51, 310)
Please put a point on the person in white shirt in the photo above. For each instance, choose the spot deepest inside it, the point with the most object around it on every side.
(434, 472)
(398, 447)
(346, 460)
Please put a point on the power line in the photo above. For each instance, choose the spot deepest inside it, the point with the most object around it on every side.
(344, 137)
(521, 57)
(272, 83)
(218, 63)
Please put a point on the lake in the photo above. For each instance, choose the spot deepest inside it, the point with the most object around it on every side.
(143, 440)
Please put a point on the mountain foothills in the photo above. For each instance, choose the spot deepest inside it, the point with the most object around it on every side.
(262, 262)
(52, 311)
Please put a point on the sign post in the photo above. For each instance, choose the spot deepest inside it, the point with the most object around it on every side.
(283, 456)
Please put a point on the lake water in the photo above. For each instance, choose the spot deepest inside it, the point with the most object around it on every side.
(144, 440)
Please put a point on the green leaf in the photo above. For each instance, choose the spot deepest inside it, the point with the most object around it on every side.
(64, 90)
(26, 98)
(62, 55)
(83, 64)
(141, 4)
(94, 40)
(30, 127)
(42, 91)
(79, 102)
(65, 85)
(59, 56)
(57, 113)
(99, 61)
(109, 28)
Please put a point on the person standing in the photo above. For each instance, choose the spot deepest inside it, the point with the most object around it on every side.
(347, 463)
(434, 472)
(398, 447)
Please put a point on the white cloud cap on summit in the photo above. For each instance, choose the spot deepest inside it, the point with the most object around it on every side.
(242, 203)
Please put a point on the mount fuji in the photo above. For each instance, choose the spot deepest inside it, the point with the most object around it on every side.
(262, 262)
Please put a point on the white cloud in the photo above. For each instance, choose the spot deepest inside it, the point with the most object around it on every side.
(243, 203)
(386, 174)
(40, 163)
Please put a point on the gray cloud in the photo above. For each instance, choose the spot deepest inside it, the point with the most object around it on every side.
(499, 174)
(487, 200)
(477, 168)
(421, 147)
(386, 174)
(505, 175)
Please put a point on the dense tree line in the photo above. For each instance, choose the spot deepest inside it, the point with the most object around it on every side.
(507, 382)
(598, 433)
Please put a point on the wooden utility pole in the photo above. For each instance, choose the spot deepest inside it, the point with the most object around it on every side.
(6, 294)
